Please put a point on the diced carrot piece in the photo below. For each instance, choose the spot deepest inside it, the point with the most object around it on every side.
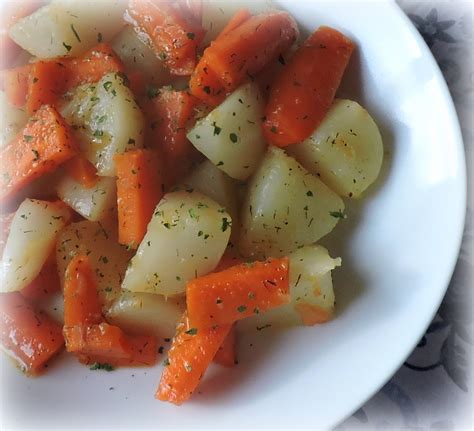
(5, 222)
(175, 34)
(143, 352)
(241, 51)
(302, 94)
(226, 355)
(101, 340)
(14, 82)
(139, 189)
(237, 20)
(45, 284)
(45, 143)
(168, 115)
(191, 353)
(92, 65)
(45, 84)
(81, 301)
(224, 297)
(82, 171)
(30, 337)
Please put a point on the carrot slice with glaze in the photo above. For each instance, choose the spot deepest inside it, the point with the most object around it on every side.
(302, 94)
(191, 353)
(45, 143)
(139, 189)
(30, 337)
(173, 30)
(45, 84)
(245, 47)
(240, 291)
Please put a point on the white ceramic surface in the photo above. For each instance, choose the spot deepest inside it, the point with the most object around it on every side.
(398, 247)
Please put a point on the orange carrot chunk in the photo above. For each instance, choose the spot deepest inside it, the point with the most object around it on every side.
(92, 65)
(174, 32)
(226, 355)
(139, 189)
(241, 51)
(45, 84)
(243, 290)
(82, 171)
(169, 114)
(45, 284)
(45, 143)
(141, 351)
(14, 82)
(30, 337)
(191, 353)
(301, 95)
(81, 301)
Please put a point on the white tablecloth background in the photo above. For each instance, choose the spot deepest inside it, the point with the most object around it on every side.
(434, 388)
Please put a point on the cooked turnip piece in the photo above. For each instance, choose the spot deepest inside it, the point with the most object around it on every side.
(12, 120)
(186, 238)
(68, 27)
(345, 151)
(285, 208)
(33, 233)
(231, 136)
(107, 121)
(95, 203)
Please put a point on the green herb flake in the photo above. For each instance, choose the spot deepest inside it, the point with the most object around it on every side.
(75, 33)
(98, 133)
(192, 331)
(207, 89)
(152, 92)
(220, 163)
(107, 85)
(273, 129)
(338, 214)
(131, 141)
(99, 37)
(35, 80)
(166, 362)
(219, 301)
(241, 308)
(190, 35)
(68, 47)
(167, 225)
(27, 138)
(233, 137)
(217, 129)
(309, 193)
(225, 224)
(162, 56)
(37, 156)
(101, 366)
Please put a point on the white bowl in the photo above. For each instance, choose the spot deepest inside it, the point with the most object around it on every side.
(399, 247)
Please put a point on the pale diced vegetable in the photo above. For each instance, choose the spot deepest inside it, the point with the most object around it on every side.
(216, 14)
(212, 182)
(53, 305)
(231, 136)
(107, 121)
(137, 55)
(312, 294)
(345, 151)
(95, 203)
(99, 241)
(146, 314)
(33, 233)
(285, 208)
(186, 238)
(12, 120)
(68, 27)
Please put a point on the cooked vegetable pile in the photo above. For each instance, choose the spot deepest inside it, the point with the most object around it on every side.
(167, 169)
